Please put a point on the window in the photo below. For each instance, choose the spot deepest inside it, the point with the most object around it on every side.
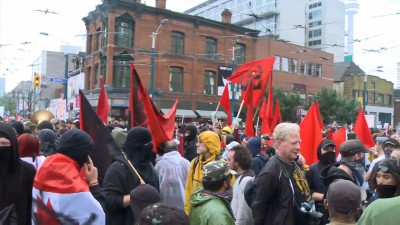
(96, 75)
(302, 98)
(317, 4)
(240, 53)
(314, 15)
(90, 42)
(389, 99)
(103, 69)
(121, 73)
(178, 40)
(209, 82)
(293, 65)
(89, 83)
(316, 42)
(124, 32)
(303, 67)
(356, 94)
(211, 48)
(318, 70)
(314, 24)
(311, 68)
(97, 40)
(380, 99)
(314, 33)
(176, 79)
(277, 63)
(285, 64)
(105, 35)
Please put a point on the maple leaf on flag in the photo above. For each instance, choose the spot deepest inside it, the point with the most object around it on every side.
(45, 214)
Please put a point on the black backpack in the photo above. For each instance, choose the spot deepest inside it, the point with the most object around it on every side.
(264, 158)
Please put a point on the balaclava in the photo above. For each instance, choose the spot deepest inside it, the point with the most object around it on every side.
(193, 132)
(75, 144)
(8, 154)
(138, 146)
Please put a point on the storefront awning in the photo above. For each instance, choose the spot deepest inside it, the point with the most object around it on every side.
(205, 114)
(182, 113)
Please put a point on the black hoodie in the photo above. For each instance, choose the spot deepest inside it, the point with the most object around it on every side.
(332, 173)
(16, 184)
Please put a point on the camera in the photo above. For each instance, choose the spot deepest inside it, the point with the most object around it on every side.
(312, 214)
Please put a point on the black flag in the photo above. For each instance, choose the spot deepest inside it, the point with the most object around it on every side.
(104, 147)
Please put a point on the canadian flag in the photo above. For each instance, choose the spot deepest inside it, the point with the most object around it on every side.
(61, 196)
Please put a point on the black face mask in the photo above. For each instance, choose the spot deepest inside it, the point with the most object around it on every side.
(6, 154)
(386, 191)
(387, 152)
(328, 158)
(140, 155)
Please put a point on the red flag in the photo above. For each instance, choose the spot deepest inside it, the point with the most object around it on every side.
(250, 112)
(310, 134)
(257, 73)
(277, 115)
(320, 122)
(225, 103)
(362, 130)
(339, 137)
(103, 108)
(267, 113)
(162, 128)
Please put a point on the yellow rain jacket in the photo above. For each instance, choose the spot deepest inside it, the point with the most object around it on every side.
(195, 175)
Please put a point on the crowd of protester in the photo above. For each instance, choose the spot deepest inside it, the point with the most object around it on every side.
(205, 175)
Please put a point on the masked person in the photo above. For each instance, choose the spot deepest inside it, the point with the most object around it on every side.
(209, 204)
(190, 142)
(326, 156)
(16, 179)
(60, 194)
(121, 178)
(386, 181)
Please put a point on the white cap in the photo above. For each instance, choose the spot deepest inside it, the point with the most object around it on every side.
(232, 144)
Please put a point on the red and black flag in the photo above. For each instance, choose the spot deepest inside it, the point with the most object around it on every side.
(258, 73)
(162, 127)
(104, 146)
(136, 110)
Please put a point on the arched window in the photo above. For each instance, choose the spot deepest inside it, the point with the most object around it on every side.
(211, 48)
(176, 79)
(240, 56)
(124, 27)
(209, 82)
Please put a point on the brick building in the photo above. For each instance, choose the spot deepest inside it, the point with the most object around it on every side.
(189, 51)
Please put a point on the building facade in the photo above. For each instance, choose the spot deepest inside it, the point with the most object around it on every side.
(2, 86)
(349, 82)
(325, 27)
(396, 108)
(277, 19)
(191, 54)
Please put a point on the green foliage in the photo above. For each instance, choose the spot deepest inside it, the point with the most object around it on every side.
(332, 107)
(288, 103)
(8, 103)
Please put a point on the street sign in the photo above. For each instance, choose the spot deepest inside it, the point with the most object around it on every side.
(59, 80)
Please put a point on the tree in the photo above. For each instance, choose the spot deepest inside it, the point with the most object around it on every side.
(288, 103)
(8, 103)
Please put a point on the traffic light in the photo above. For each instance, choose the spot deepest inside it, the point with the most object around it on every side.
(36, 80)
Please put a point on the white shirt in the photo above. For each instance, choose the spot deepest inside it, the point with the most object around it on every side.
(241, 211)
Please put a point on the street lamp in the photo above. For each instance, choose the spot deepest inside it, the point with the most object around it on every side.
(153, 45)
(378, 69)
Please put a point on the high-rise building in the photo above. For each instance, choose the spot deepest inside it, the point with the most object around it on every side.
(325, 22)
(313, 23)
(279, 19)
(398, 76)
(2, 86)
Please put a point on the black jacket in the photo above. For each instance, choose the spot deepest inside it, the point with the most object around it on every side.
(16, 185)
(274, 199)
(190, 151)
(119, 181)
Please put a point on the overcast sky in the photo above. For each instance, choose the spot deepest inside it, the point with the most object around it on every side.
(19, 23)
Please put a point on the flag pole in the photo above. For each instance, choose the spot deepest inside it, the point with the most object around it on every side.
(258, 119)
(240, 109)
(216, 110)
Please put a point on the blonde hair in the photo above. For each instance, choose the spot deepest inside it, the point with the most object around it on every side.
(282, 130)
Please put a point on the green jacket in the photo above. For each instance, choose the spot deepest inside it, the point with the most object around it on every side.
(209, 210)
